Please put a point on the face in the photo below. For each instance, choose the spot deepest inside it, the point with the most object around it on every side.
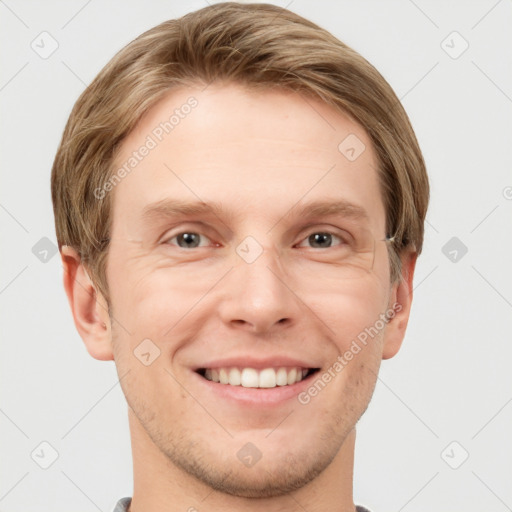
(261, 282)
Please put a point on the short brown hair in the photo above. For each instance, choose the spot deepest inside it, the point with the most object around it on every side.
(259, 46)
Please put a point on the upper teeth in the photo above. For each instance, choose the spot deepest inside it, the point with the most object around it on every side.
(251, 378)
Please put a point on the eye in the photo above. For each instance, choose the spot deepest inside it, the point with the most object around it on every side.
(194, 239)
(187, 240)
(321, 240)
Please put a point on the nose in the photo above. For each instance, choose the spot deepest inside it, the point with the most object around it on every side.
(258, 297)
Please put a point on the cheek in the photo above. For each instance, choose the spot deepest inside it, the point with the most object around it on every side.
(153, 300)
(142, 292)
(349, 310)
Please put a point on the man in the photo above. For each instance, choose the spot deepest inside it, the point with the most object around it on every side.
(239, 201)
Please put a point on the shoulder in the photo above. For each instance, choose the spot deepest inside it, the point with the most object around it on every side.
(123, 503)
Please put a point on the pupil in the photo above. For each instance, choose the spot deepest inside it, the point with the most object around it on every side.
(319, 238)
(187, 238)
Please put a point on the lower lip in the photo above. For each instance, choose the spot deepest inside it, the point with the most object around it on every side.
(256, 396)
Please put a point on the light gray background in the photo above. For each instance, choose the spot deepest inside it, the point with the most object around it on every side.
(450, 382)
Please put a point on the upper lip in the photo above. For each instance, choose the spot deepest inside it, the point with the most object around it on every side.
(256, 363)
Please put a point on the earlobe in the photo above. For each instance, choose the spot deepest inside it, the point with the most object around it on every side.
(400, 307)
(88, 306)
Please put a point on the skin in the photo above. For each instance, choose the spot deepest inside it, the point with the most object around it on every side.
(258, 154)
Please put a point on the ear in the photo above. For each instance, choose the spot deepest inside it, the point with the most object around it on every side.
(88, 306)
(399, 306)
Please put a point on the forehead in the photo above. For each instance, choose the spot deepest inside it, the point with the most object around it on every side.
(248, 152)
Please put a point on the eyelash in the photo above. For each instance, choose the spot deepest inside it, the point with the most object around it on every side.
(326, 232)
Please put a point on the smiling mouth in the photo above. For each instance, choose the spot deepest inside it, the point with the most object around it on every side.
(253, 378)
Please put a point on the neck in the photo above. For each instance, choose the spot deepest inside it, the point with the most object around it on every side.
(160, 485)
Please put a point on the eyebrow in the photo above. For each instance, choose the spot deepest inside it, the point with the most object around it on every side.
(171, 208)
